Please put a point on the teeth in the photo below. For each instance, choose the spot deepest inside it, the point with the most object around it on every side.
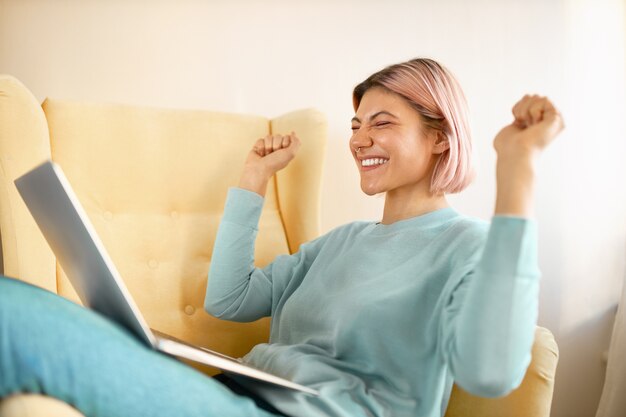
(373, 161)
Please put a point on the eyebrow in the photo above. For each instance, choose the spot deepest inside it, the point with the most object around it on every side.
(375, 115)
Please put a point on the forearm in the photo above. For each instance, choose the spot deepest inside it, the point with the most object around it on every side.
(236, 290)
(515, 177)
(497, 316)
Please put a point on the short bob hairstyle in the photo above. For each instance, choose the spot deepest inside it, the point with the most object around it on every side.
(433, 91)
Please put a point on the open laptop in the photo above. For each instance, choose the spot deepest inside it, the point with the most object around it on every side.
(73, 239)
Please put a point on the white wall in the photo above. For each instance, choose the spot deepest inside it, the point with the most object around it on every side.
(274, 56)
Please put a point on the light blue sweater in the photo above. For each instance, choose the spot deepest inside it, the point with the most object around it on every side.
(382, 318)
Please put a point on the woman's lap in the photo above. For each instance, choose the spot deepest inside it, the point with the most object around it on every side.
(52, 346)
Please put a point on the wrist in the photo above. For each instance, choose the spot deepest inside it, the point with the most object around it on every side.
(517, 168)
(519, 155)
(255, 180)
(515, 184)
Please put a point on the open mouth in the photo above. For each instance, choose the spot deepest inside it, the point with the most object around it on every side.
(373, 162)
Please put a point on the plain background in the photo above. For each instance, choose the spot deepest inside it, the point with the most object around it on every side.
(271, 57)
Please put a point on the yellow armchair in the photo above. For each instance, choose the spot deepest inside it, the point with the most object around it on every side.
(154, 182)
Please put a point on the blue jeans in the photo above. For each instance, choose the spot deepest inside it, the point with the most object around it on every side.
(52, 346)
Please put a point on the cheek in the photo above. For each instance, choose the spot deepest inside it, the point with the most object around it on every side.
(411, 160)
(414, 146)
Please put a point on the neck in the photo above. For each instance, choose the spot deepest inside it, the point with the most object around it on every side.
(401, 204)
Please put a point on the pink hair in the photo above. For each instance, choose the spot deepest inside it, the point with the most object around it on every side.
(437, 96)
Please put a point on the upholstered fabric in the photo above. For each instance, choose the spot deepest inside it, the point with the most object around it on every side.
(153, 182)
(23, 144)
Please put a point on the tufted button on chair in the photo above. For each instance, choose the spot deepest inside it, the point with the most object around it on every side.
(153, 182)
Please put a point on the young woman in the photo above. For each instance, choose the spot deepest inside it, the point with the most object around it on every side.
(380, 317)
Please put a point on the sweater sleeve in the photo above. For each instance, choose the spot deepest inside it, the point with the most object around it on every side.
(236, 289)
(489, 321)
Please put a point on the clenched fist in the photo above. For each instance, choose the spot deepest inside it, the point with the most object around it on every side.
(268, 155)
(536, 123)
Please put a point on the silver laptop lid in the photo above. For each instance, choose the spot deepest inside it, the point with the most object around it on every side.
(73, 239)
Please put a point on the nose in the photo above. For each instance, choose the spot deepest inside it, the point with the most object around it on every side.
(360, 139)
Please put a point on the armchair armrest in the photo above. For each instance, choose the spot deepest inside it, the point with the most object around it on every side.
(34, 405)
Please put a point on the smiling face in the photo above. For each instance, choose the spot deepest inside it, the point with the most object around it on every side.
(395, 152)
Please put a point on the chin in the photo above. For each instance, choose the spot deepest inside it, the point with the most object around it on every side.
(371, 190)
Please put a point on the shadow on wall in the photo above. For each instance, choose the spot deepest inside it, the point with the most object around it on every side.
(587, 359)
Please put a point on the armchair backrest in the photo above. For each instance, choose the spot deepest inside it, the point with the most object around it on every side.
(154, 183)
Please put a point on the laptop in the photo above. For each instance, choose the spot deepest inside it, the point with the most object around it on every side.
(73, 239)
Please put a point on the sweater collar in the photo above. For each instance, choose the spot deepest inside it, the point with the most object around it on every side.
(431, 219)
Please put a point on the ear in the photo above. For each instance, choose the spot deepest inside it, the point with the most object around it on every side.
(441, 143)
